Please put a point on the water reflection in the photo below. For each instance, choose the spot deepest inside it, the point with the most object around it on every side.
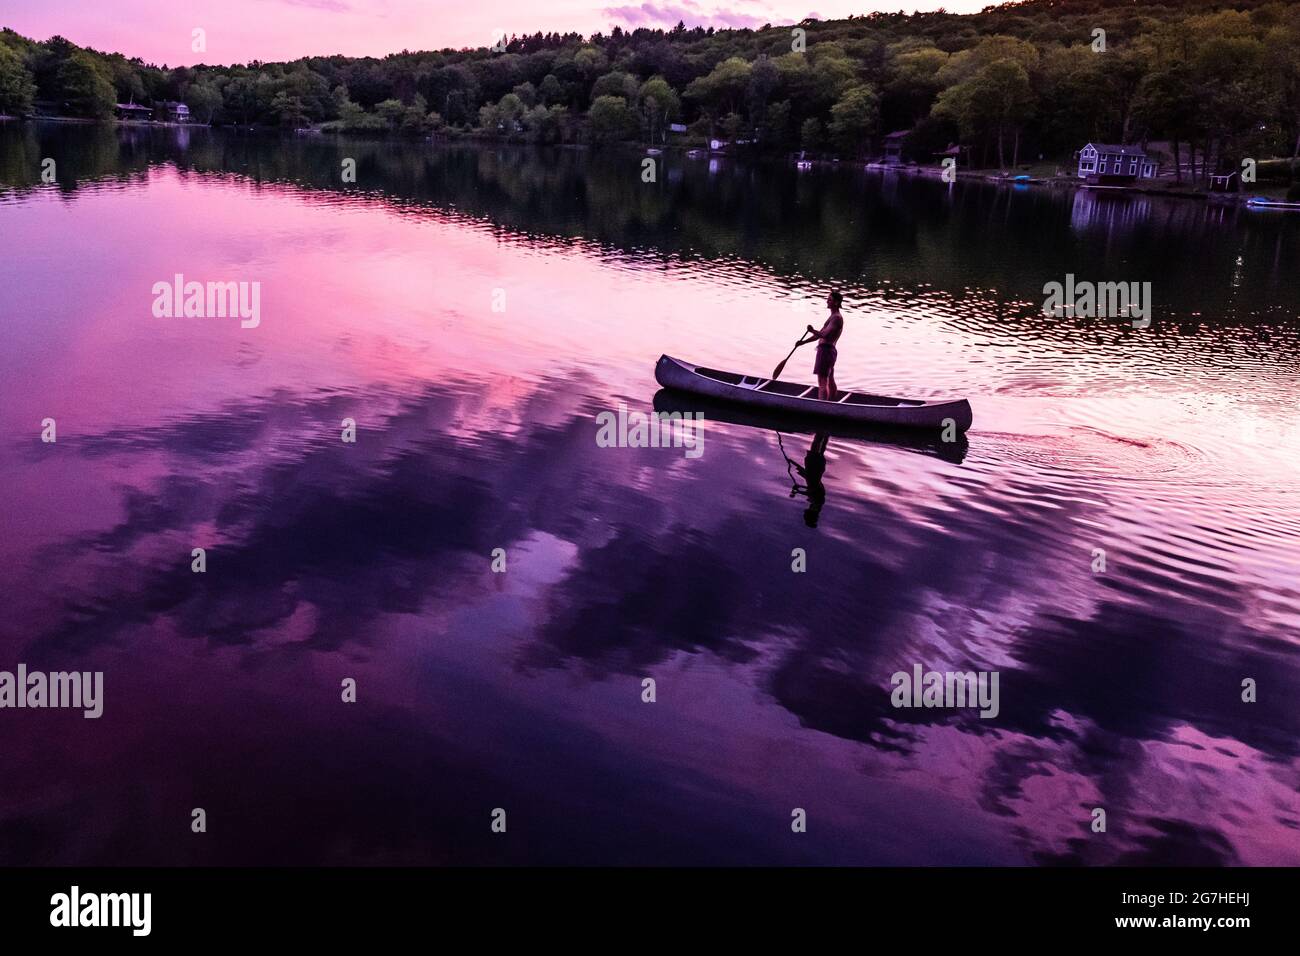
(843, 224)
(1120, 688)
(811, 471)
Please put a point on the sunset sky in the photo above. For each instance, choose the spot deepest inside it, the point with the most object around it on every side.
(159, 31)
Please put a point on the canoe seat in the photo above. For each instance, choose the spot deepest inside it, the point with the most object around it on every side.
(731, 378)
(857, 398)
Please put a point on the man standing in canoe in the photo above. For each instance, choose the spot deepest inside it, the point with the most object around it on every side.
(824, 365)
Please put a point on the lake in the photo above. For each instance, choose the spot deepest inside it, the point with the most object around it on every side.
(1117, 538)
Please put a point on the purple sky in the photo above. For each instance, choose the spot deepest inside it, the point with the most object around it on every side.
(160, 31)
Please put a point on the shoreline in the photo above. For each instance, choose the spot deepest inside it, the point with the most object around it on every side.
(1275, 193)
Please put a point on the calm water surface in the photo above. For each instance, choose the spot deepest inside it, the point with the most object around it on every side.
(1171, 449)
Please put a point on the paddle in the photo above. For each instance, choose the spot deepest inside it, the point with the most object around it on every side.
(780, 368)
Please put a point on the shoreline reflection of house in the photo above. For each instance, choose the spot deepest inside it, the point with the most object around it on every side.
(1101, 212)
(1107, 164)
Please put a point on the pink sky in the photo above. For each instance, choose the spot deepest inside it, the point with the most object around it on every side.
(237, 31)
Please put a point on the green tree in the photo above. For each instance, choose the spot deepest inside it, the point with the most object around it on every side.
(733, 124)
(611, 119)
(764, 78)
(854, 117)
(616, 83)
(527, 94)
(551, 91)
(1167, 101)
(811, 135)
(204, 100)
(546, 124)
(913, 81)
(391, 112)
(17, 88)
(659, 105)
(288, 110)
(510, 108)
(723, 89)
(774, 130)
(84, 87)
(995, 100)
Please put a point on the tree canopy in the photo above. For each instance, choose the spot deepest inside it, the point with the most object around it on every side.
(1040, 78)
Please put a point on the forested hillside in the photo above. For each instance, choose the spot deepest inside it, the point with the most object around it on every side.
(1015, 81)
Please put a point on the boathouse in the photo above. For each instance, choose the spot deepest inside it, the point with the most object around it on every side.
(133, 111)
(894, 147)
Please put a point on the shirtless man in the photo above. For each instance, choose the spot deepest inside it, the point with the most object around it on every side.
(824, 366)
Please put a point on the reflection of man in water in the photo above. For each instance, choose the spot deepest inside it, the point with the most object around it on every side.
(814, 467)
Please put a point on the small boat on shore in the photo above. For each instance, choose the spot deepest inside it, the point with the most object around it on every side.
(855, 406)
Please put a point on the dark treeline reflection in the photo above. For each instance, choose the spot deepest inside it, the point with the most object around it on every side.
(848, 225)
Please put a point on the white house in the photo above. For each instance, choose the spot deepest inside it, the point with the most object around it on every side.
(1104, 159)
(173, 111)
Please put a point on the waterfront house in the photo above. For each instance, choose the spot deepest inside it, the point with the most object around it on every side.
(894, 147)
(172, 111)
(1116, 163)
(133, 111)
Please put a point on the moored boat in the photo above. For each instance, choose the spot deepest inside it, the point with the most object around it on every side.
(1263, 202)
(799, 399)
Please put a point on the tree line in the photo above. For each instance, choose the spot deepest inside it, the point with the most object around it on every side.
(1010, 84)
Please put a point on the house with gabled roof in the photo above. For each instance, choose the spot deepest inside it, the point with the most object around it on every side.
(133, 111)
(1111, 160)
(173, 111)
(894, 147)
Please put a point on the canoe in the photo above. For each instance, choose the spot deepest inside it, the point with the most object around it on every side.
(1262, 202)
(923, 441)
(798, 399)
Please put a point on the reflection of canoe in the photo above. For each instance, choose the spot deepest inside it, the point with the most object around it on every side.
(798, 399)
(925, 442)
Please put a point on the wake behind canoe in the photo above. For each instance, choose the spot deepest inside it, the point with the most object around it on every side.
(798, 399)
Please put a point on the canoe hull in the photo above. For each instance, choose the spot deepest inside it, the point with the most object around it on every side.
(900, 413)
(925, 441)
